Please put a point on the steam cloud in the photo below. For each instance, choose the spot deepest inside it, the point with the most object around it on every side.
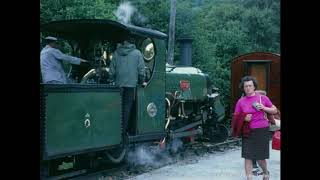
(126, 13)
(176, 145)
(153, 156)
(147, 156)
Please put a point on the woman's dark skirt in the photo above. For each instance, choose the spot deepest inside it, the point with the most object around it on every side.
(256, 146)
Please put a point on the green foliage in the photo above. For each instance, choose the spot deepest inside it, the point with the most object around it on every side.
(184, 16)
(76, 9)
(156, 11)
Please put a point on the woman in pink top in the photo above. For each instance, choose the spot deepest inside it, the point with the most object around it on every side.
(256, 145)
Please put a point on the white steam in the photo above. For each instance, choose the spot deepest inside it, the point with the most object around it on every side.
(126, 13)
(146, 156)
(154, 156)
(176, 144)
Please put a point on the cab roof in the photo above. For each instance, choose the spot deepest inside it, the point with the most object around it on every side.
(97, 29)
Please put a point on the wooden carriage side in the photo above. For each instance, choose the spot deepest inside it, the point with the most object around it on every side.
(265, 67)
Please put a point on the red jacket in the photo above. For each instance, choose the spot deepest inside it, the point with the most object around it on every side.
(239, 125)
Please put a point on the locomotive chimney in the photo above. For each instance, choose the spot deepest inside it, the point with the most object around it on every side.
(185, 51)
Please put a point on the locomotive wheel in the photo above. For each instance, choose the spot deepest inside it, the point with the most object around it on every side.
(218, 133)
(223, 132)
(116, 155)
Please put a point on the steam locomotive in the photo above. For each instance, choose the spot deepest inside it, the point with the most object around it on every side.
(81, 122)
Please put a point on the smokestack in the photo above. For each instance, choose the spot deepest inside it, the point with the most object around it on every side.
(185, 51)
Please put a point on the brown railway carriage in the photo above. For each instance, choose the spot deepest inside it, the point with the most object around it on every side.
(262, 65)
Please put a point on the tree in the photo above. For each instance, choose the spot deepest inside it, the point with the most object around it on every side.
(76, 9)
(224, 30)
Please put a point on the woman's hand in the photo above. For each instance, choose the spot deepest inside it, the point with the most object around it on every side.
(271, 110)
(248, 117)
(260, 107)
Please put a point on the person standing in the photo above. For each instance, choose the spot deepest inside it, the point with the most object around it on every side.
(127, 70)
(253, 106)
(51, 62)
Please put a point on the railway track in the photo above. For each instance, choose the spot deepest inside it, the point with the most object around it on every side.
(189, 154)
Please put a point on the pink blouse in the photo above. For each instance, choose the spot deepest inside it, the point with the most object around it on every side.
(245, 105)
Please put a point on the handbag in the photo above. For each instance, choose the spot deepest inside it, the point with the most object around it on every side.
(276, 140)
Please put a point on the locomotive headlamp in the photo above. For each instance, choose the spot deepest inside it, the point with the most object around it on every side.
(184, 85)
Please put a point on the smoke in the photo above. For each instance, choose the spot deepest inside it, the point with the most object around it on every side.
(147, 156)
(153, 156)
(138, 19)
(176, 145)
(126, 13)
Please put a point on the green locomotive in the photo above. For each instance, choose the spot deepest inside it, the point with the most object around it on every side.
(81, 121)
